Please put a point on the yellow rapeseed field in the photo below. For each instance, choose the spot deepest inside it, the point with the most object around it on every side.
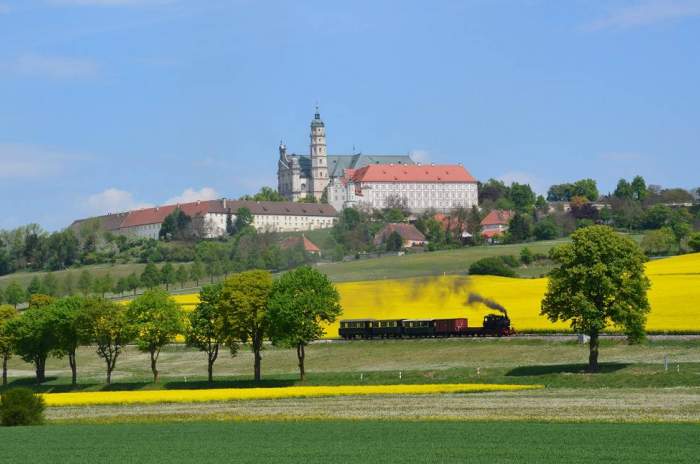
(228, 394)
(674, 298)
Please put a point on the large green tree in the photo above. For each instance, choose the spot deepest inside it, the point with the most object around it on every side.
(7, 313)
(599, 280)
(107, 325)
(301, 302)
(208, 329)
(70, 329)
(522, 197)
(176, 226)
(158, 319)
(35, 337)
(244, 300)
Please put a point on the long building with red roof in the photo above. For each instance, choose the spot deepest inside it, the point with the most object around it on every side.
(209, 217)
(417, 187)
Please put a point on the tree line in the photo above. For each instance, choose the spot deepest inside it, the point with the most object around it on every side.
(247, 307)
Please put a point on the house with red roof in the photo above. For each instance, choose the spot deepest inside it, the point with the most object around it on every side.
(408, 232)
(442, 187)
(305, 243)
(495, 224)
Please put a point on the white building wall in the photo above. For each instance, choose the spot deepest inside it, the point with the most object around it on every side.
(142, 231)
(419, 196)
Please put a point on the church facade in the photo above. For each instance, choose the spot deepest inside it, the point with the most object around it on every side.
(318, 173)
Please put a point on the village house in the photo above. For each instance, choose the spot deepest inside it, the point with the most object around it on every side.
(495, 224)
(408, 232)
(308, 246)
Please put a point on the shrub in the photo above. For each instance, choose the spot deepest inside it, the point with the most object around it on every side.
(659, 242)
(526, 256)
(510, 260)
(21, 406)
(494, 265)
(694, 241)
(546, 229)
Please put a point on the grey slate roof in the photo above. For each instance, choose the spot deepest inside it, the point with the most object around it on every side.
(277, 208)
(337, 164)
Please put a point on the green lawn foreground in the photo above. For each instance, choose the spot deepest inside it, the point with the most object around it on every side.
(353, 441)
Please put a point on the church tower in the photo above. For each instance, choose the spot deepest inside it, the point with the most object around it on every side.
(319, 158)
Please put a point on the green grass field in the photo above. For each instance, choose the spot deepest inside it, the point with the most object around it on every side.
(432, 263)
(353, 441)
(554, 362)
(116, 270)
(634, 384)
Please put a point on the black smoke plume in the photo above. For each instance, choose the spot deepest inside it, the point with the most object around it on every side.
(488, 302)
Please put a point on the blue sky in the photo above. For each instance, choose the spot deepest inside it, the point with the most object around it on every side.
(112, 104)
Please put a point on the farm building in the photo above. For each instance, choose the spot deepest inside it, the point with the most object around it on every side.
(308, 245)
(408, 232)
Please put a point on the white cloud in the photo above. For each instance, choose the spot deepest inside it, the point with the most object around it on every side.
(190, 195)
(645, 13)
(522, 178)
(30, 162)
(56, 67)
(112, 200)
(420, 156)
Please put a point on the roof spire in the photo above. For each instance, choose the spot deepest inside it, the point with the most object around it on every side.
(317, 115)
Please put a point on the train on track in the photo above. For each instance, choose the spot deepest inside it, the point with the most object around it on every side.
(494, 325)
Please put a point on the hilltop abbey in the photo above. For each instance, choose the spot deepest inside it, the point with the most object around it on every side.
(299, 176)
(373, 180)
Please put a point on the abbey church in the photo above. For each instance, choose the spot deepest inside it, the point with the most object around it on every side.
(374, 181)
(300, 176)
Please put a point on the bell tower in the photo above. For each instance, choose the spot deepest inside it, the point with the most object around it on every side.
(319, 157)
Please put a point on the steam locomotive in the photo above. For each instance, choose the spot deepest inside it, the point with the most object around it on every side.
(495, 325)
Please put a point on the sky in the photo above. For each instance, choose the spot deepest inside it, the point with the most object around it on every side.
(108, 105)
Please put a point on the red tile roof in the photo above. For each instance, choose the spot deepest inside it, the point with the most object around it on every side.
(412, 173)
(498, 217)
(158, 214)
(447, 222)
(406, 231)
(291, 242)
(491, 233)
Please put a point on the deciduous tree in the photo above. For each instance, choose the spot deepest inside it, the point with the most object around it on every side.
(301, 301)
(109, 328)
(181, 275)
(158, 319)
(35, 336)
(85, 282)
(208, 330)
(167, 275)
(196, 272)
(14, 294)
(150, 277)
(599, 280)
(7, 313)
(70, 329)
(244, 300)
